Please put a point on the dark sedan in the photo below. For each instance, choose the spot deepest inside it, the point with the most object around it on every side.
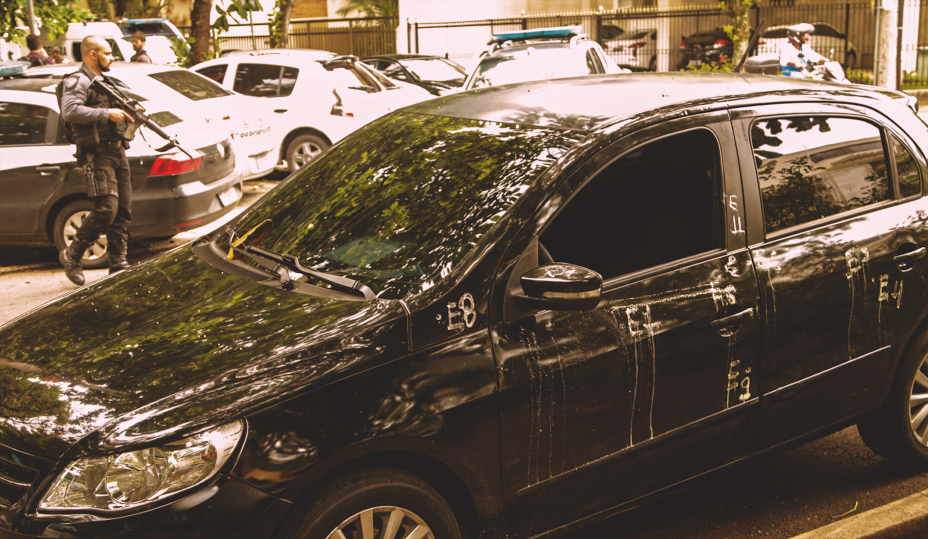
(44, 200)
(517, 317)
(435, 74)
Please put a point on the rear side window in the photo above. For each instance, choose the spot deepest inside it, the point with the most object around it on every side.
(263, 80)
(216, 73)
(190, 85)
(22, 124)
(644, 210)
(815, 167)
(593, 63)
(910, 183)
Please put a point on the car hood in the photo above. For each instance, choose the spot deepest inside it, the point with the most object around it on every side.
(170, 347)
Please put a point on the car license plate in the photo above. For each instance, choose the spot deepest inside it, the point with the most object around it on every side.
(229, 196)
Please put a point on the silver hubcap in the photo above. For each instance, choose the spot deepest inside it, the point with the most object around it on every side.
(71, 226)
(305, 153)
(383, 523)
(918, 403)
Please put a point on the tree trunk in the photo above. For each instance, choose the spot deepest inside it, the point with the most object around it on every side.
(742, 24)
(122, 8)
(199, 31)
(285, 25)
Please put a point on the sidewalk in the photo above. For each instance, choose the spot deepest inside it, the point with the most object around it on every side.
(903, 519)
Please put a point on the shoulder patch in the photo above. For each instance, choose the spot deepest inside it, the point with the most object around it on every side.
(70, 82)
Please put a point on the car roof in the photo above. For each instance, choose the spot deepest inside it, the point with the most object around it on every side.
(30, 85)
(592, 102)
(272, 55)
(518, 47)
(402, 57)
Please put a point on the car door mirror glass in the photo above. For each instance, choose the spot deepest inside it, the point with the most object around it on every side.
(561, 287)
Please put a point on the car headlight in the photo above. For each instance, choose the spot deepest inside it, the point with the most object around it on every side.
(140, 477)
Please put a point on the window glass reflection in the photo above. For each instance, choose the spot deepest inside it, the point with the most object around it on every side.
(910, 183)
(258, 80)
(813, 167)
(22, 124)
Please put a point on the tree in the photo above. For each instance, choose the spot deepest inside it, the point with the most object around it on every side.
(53, 17)
(200, 26)
(280, 26)
(740, 29)
(371, 8)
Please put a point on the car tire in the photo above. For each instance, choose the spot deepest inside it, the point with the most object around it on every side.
(850, 60)
(379, 497)
(899, 429)
(303, 150)
(67, 222)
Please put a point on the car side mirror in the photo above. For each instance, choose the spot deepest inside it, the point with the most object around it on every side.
(561, 287)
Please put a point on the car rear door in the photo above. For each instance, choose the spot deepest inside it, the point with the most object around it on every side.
(32, 164)
(827, 219)
(657, 383)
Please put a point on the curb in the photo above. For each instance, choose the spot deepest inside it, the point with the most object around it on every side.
(897, 520)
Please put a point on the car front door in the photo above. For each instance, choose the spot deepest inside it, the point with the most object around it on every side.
(657, 383)
(828, 219)
(31, 165)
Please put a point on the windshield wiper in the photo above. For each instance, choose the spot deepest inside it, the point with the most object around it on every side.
(281, 265)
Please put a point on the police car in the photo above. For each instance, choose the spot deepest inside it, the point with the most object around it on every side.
(540, 54)
(44, 200)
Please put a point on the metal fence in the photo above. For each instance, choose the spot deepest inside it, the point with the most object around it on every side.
(361, 36)
(846, 32)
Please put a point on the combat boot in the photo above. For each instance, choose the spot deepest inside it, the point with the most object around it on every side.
(70, 258)
(118, 249)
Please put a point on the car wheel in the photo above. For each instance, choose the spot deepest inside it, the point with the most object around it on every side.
(899, 430)
(67, 222)
(850, 60)
(381, 503)
(303, 150)
(652, 65)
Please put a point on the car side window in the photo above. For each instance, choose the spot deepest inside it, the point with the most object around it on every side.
(593, 64)
(216, 73)
(258, 80)
(825, 31)
(644, 209)
(910, 182)
(22, 124)
(288, 81)
(810, 168)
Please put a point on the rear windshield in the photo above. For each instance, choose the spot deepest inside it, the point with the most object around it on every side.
(190, 85)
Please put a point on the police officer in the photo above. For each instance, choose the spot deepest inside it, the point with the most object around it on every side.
(796, 56)
(98, 130)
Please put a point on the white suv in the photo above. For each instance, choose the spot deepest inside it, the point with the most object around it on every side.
(539, 54)
(318, 98)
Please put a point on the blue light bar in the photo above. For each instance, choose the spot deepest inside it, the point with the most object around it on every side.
(537, 33)
(13, 68)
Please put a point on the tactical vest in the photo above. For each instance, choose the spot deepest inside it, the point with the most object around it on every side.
(89, 135)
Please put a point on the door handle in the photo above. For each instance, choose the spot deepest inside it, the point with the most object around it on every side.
(905, 261)
(729, 320)
(46, 170)
(280, 111)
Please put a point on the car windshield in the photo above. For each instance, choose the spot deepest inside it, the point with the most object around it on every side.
(190, 85)
(399, 217)
(434, 69)
(529, 64)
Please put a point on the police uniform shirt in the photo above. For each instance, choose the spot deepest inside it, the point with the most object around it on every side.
(74, 97)
(790, 55)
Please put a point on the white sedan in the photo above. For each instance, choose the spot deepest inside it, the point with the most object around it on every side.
(254, 141)
(318, 98)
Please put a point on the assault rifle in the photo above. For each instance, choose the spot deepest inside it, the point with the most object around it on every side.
(134, 110)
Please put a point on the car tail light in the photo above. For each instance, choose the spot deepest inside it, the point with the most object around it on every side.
(761, 42)
(721, 43)
(174, 164)
(636, 45)
(683, 44)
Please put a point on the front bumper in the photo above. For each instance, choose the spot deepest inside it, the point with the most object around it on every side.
(190, 205)
(227, 508)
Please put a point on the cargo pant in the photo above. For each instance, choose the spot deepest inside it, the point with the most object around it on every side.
(111, 193)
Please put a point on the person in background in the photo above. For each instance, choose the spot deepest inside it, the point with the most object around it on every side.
(55, 56)
(796, 56)
(138, 43)
(37, 55)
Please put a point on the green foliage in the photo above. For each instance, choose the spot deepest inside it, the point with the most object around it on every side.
(371, 8)
(182, 50)
(238, 9)
(53, 17)
(711, 67)
(859, 76)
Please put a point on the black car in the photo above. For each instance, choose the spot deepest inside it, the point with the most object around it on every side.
(517, 317)
(44, 200)
(434, 73)
(712, 47)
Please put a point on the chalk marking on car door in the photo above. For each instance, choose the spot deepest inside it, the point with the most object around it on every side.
(858, 266)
